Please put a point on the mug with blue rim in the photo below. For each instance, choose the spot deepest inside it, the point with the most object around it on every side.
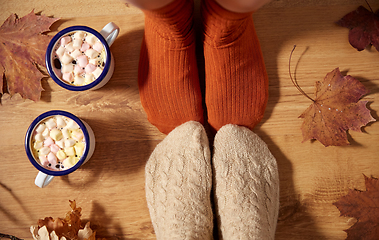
(106, 36)
(45, 175)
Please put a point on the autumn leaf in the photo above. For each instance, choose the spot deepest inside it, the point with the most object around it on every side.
(335, 110)
(60, 227)
(67, 227)
(362, 205)
(364, 28)
(22, 47)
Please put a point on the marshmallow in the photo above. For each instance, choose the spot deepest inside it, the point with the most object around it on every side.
(76, 53)
(56, 134)
(78, 70)
(67, 77)
(44, 151)
(50, 123)
(60, 143)
(61, 155)
(70, 47)
(85, 47)
(71, 124)
(77, 43)
(69, 162)
(79, 35)
(65, 40)
(69, 143)
(38, 137)
(48, 141)
(78, 80)
(67, 68)
(91, 39)
(91, 53)
(52, 158)
(54, 148)
(77, 135)
(70, 151)
(94, 61)
(46, 132)
(98, 47)
(41, 128)
(97, 72)
(82, 61)
(66, 58)
(89, 78)
(60, 51)
(38, 145)
(79, 149)
(43, 160)
(60, 122)
(66, 133)
(90, 68)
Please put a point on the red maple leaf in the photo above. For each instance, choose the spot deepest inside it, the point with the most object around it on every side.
(364, 28)
(362, 205)
(335, 110)
(22, 47)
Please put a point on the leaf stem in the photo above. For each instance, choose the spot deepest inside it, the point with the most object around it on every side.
(369, 6)
(294, 82)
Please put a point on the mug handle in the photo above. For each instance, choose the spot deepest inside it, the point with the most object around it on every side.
(110, 32)
(42, 179)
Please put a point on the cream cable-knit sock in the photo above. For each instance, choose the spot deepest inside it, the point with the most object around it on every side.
(246, 185)
(178, 185)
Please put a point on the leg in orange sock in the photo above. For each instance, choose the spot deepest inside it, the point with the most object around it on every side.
(168, 77)
(236, 88)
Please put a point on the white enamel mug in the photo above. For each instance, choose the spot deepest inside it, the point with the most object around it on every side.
(106, 36)
(45, 175)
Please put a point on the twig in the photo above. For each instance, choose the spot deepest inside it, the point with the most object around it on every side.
(2, 235)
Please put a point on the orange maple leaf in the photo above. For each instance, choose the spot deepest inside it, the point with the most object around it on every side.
(335, 110)
(362, 205)
(67, 227)
(22, 47)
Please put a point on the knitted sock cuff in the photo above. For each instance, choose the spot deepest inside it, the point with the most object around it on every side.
(221, 26)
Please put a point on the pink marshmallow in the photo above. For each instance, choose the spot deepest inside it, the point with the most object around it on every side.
(90, 68)
(54, 148)
(43, 160)
(65, 40)
(82, 61)
(67, 77)
(85, 47)
(52, 158)
(98, 47)
(48, 142)
(78, 70)
(77, 136)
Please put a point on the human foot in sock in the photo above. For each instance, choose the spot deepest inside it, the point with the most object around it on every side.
(178, 185)
(167, 76)
(236, 78)
(246, 185)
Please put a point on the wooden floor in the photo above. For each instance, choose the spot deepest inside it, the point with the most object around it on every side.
(110, 187)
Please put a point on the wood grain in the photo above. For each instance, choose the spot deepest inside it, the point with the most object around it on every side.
(110, 187)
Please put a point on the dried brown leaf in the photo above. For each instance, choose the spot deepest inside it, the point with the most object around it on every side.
(22, 47)
(335, 110)
(362, 205)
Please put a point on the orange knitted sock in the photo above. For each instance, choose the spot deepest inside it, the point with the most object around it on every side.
(168, 77)
(236, 89)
